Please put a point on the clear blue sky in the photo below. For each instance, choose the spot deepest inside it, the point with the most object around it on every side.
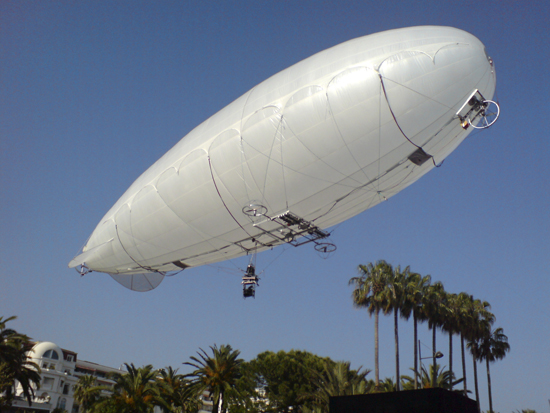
(93, 92)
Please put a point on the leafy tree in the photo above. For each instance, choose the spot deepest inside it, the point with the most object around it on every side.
(16, 365)
(246, 396)
(217, 373)
(368, 293)
(285, 376)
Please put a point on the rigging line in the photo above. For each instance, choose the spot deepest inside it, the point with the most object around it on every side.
(260, 153)
(244, 107)
(279, 116)
(243, 160)
(351, 192)
(320, 160)
(221, 198)
(281, 140)
(271, 150)
(137, 263)
(399, 182)
(331, 114)
(418, 93)
(397, 123)
(284, 249)
(205, 237)
(393, 114)
(226, 270)
(379, 135)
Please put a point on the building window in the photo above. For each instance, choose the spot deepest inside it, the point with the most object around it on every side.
(48, 383)
(50, 366)
(51, 354)
(66, 389)
(62, 404)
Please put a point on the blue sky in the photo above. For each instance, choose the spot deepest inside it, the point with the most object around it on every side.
(93, 92)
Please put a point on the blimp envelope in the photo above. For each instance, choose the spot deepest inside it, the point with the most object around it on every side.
(308, 148)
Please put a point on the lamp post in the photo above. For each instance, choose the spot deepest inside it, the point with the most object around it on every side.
(435, 355)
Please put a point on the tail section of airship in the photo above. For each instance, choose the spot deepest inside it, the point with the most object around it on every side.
(308, 148)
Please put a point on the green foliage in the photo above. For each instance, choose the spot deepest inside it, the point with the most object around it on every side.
(369, 293)
(176, 393)
(218, 373)
(336, 379)
(105, 405)
(134, 391)
(439, 376)
(15, 365)
(86, 393)
(285, 376)
(385, 386)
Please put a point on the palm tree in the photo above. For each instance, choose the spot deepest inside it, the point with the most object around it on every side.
(218, 374)
(135, 390)
(394, 297)
(336, 379)
(387, 385)
(86, 393)
(493, 346)
(416, 287)
(176, 393)
(473, 347)
(16, 365)
(432, 309)
(478, 319)
(437, 376)
(453, 322)
(463, 324)
(368, 293)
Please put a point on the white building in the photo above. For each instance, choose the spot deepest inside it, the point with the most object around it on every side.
(60, 372)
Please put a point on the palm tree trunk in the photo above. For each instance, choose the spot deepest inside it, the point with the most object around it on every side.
(451, 357)
(376, 365)
(463, 364)
(397, 378)
(475, 381)
(220, 403)
(489, 387)
(415, 352)
(433, 351)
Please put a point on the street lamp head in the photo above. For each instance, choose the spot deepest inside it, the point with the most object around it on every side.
(438, 355)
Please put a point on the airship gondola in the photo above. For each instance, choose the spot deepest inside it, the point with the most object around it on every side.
(308, 148)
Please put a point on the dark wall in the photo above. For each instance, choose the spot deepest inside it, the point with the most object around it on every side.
(409, 401)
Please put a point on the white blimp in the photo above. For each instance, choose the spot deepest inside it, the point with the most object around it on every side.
(306, 149)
